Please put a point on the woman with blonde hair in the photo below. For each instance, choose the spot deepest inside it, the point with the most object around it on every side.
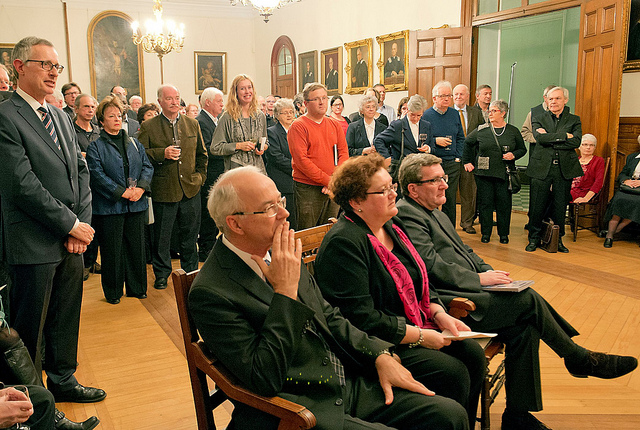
(241, 134)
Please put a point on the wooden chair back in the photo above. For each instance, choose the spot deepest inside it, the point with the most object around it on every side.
(202, 364)
(311, 239)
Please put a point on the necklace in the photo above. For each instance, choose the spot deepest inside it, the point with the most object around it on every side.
(503, 130)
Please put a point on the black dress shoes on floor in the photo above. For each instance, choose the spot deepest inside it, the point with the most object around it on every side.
(113, 301)
(138, 296)
(469, 230)
(532, 246)
(504, 239)
(78, 394)
(485, 239)
(160, 283)
(521, 421)
(64, 423)
(600, 365)
(608, 242)
(562, 248)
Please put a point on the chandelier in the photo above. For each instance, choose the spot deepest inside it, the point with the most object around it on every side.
(155, 40)
(265, 7)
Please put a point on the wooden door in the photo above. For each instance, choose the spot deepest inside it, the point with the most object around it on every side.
(600, 73)
(436, 55)
(283, 68)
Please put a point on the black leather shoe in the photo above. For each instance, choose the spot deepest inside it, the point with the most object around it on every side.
(532, 246)
(562, 248)
(504, 239)
(485, 239)
(64, 423)
(601, 365)
(469, 230)
(608, 242)
(160, 283)
(113, 301)
(521, 421)
(78, 394)
(138, 296)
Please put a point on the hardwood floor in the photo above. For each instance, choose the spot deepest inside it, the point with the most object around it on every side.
(134, 350)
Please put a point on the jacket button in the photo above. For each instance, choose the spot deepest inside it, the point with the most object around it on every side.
(325, 361)
(179, 162)
(73, 205)
(339, 402)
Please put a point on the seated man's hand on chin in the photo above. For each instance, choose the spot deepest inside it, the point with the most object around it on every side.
(393, 374)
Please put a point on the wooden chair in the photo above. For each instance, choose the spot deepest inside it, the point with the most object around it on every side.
(493, 382)
(311, 239)
(593, 210)
(202, 363)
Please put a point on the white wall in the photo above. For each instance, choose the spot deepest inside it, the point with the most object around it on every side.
(630, 99)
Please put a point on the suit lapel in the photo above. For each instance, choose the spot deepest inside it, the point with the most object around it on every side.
(445, 226)
(36, 123)
(408, 136)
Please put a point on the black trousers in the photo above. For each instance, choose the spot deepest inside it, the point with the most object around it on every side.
(494, 195)
(451, 169)
(455, 371)
(208, 230)
(43, 408)
(554, 191)
(45, 302)
(186, 213)
(123, 255)
(521, 320)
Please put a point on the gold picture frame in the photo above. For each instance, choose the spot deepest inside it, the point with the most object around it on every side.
(307, 74)
(331, 67)
(359, 68)
(113, 57)
(393, 65)
(210, 70)
(632, 51)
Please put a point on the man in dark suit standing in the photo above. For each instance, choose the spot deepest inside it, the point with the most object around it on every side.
(46, 211)
(212, 105)
(520, 319)
(331, 80)
(470, 117)
(308, 75)
(360, 72)
(264, 316)
(553, 164)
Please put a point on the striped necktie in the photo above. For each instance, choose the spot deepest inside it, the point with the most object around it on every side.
(464, 125)
(48, 123)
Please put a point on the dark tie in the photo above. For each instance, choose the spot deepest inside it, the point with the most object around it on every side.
(48, 123)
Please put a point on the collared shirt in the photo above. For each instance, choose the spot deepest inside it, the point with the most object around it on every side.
(415, 131)
(441, 112)
(388, 112)
(213, 118)
(246, 257)
(370, 129)
(636, 172)
(464, 113)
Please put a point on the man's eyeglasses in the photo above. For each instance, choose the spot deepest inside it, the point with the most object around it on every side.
(270, 211)
(386, 190)
(444, 96)
(317, 99)
(47, 65)
(437, 180)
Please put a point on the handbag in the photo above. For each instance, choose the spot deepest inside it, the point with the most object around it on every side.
(550, 236)
(629, 190)
(394, 167)
(513, 179)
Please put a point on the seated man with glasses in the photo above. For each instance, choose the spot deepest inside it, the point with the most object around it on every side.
(317, 144)
(520, 319)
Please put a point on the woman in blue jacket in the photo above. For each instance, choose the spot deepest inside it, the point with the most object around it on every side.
(120, 175)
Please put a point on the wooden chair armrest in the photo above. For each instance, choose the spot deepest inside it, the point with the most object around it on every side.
(460, 307)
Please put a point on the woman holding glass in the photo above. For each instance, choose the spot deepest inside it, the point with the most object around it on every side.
(360, 134)
(120, 175)
(241, 133)
(489, 152)
(337, 106)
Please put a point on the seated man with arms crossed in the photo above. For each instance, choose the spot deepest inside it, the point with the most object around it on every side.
(265, 318)
(520, 319)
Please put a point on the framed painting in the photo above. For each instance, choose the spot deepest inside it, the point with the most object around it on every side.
(113, 57)
(331, 67)
(632, 62)
(210, 70)
(394, 60)
(308, 68)
(5, 57)
(359, 69)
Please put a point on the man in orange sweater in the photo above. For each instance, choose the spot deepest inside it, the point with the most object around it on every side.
(317, 144)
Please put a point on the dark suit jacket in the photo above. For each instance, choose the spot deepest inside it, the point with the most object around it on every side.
(5, 95)
(361, 73)
(452, 266)
(331, 82)
(357, 136)
(276, 345)
(555, 140)
(133, 126)
(44, 189)
(389, 142)
(215, 167)
(278, 159)
(474, 118)
(173, 179)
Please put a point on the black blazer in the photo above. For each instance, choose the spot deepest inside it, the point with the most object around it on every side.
(276, 345)
(554, 141)
(629, 167)
(357, 136)
(133, 127)
(279, 159)
(44, 189)
(389, 142)
(215, 167)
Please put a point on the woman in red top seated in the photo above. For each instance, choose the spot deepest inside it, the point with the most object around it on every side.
(585, 187)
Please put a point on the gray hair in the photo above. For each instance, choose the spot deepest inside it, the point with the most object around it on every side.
(417, 103)
(411, 169)
(565, 92)
(281, 104)
(22, 50)
(210, 93)
(81, 96)
(442, 84)
(135, 98)
(162, 87)
(546, 90)
(500, 104)
(366, 100)
(482, 87)
(223, 199)
(57, 94)
(589, 137)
